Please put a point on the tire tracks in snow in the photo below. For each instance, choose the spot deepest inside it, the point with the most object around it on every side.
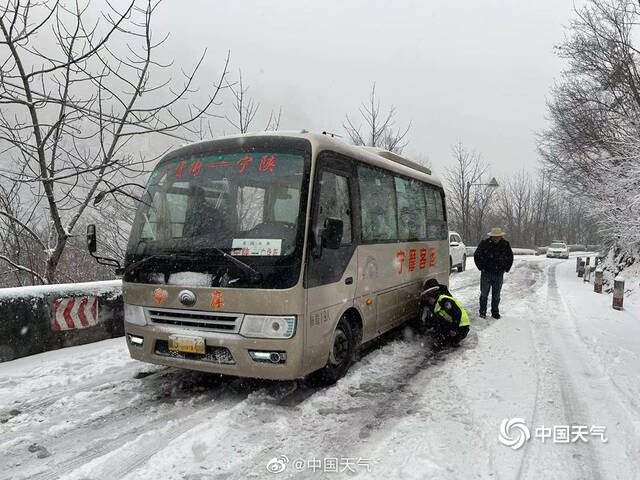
(340, 419)
(370, 400)
(556, 401)
(165, 395)
(589, 374)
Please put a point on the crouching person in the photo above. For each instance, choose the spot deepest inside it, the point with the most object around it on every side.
(445, 314)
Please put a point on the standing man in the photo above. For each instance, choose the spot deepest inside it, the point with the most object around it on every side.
(493, 257)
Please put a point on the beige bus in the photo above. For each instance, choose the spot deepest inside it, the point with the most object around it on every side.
(276, 255)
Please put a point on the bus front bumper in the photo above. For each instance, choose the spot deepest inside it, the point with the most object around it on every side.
(226, 353)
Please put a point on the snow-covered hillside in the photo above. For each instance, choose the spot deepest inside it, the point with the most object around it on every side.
(560, 356)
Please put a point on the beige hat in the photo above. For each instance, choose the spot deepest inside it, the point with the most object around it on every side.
(496, 232)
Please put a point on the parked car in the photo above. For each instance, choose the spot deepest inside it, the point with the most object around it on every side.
(457, 252)
(558, 250)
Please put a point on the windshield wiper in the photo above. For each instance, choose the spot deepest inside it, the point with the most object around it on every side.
(254, 275)
(133, 265)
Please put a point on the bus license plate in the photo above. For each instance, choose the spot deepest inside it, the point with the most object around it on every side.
(180, 343)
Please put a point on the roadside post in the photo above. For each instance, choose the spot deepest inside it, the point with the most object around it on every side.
(597, 284)
(587, 273)
(578, 260)
(581, 269)
(618, 293)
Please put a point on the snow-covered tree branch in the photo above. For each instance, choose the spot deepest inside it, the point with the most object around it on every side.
(592, 148)
(78, 88)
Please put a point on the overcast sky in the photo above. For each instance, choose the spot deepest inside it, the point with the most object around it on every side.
(478, 70)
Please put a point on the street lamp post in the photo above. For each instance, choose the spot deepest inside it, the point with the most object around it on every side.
(492, 185)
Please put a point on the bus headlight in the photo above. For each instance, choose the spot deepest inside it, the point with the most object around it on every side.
(134, 314)
(261, 326)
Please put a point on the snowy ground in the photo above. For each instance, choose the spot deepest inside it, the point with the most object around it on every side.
(559, 356)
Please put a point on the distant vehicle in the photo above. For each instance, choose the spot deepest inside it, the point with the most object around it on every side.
(277, 255)
(558, 250)
(457, 252)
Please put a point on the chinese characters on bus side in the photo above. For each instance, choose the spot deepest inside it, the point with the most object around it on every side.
(412, 259)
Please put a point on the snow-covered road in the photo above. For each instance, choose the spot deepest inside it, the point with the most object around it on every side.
(560, 356)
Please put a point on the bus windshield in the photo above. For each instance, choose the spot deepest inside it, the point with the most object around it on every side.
(243, 204)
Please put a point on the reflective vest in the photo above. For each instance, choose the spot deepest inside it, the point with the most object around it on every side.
(438, 310)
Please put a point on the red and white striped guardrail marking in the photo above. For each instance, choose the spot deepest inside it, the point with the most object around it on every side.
(73, 313)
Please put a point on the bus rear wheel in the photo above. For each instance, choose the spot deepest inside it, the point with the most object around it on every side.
(341, 355)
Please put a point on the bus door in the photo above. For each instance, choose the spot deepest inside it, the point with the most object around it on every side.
(331, 273)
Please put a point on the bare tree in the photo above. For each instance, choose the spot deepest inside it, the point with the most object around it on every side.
(273, 123)
(482, 208)
(379, 128)
(20, 245)
(78, 96)
(245, 108)
(515, 206)
(467, 169)
(534, 213)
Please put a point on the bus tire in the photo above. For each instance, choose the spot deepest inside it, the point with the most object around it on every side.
(341, 355)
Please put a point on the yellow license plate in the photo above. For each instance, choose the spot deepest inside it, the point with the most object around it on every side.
(180, 343)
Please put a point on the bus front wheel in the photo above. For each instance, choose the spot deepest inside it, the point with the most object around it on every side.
(341, 355)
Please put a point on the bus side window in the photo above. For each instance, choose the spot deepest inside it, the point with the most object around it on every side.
(377, 192)
(334, 202)
(411, 210)
(436, 223)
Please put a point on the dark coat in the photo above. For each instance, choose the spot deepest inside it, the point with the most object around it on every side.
(493, 257)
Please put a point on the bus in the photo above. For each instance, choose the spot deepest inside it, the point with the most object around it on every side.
(277, 255)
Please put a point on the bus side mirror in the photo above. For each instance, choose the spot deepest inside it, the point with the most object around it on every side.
(332, 233)
(92, 247)
(91, 238)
